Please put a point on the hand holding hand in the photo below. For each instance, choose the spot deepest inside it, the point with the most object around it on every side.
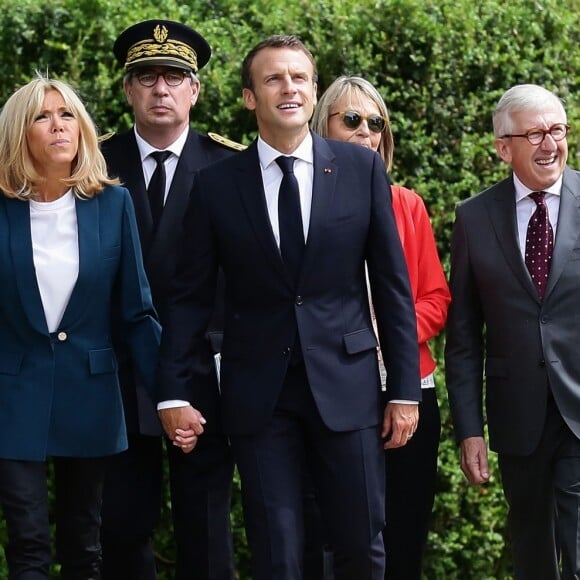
(183, 425)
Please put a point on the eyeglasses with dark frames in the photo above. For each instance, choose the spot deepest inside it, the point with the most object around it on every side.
(537, 136)
(172, 78)
(352, 120)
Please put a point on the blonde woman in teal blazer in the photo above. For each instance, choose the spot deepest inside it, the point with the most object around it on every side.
(69, 262)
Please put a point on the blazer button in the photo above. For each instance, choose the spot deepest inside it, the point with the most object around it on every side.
(299, 301)
(62, 336)
(287, 351)
(542, 363)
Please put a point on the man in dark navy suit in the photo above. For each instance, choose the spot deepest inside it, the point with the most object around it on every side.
(292, 222)
(161, 59)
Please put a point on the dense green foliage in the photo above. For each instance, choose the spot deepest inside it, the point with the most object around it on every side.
(440, 64)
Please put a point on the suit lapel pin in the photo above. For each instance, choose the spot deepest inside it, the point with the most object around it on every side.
(327, 170)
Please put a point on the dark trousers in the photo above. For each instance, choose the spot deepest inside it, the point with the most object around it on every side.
(131, 510)
(411, 477)
(201, 493)
(543, 493)
(348, 471)
(24, 499)
(200, 485)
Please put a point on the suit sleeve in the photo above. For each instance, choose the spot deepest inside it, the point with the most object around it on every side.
(139, 319)
(391, 294)
(190, 303)
(464, 349)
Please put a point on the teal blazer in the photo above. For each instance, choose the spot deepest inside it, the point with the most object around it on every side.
(59, 392)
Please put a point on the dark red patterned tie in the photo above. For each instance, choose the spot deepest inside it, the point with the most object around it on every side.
(539, 243)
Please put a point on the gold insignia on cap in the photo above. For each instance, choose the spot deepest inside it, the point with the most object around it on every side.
(169, 50)
(227, 142)
(160, 33)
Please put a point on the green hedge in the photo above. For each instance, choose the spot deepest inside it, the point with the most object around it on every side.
(441, 66)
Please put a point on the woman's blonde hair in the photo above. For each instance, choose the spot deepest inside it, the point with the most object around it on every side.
(18, 176)
(353, 85)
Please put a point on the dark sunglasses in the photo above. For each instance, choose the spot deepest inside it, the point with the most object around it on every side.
(352, 120)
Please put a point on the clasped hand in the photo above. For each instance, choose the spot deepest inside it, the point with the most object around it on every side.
(183, 425)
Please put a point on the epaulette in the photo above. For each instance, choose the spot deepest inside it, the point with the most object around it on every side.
(106, 136)
(226, 142)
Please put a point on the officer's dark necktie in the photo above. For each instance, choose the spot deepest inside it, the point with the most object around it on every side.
(290, 218)
(539, 243)
(156, 189)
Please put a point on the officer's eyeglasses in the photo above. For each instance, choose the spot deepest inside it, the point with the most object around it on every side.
(172, 78)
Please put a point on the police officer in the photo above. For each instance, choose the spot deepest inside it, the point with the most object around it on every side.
(157, 160)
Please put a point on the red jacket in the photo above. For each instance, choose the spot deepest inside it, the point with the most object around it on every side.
(428, 283)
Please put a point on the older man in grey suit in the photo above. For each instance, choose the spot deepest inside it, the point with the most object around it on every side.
(515, 319)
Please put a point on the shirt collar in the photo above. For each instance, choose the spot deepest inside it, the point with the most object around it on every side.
(522, 191)
(268, 155)
(145, 149)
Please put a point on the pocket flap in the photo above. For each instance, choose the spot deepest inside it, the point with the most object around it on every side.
(10, 363)
(102, 361)
(360, 340)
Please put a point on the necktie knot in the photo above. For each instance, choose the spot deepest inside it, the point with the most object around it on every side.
(160, 156)
(538, 197)
(286, 164)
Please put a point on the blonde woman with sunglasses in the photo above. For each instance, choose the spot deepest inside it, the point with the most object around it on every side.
(351, 109)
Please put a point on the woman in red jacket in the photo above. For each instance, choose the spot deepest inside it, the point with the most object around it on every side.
(351, 109)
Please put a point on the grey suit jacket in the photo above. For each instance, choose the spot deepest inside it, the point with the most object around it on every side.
(498, 328)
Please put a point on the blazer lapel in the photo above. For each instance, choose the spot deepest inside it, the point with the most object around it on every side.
(502, 210)
(21, 248)
(323, 191)
(192, 158)
(568, 227)
(89, 249)
(251, 189)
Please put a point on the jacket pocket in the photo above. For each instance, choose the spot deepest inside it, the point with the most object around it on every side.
(10, 363)
(360, 340)
(102, 361)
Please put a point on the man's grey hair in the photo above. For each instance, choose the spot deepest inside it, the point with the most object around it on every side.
(523, 98)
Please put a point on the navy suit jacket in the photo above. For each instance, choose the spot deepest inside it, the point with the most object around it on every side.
(160, 251)
(351, 223)
(499, 329)
(59, 392)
